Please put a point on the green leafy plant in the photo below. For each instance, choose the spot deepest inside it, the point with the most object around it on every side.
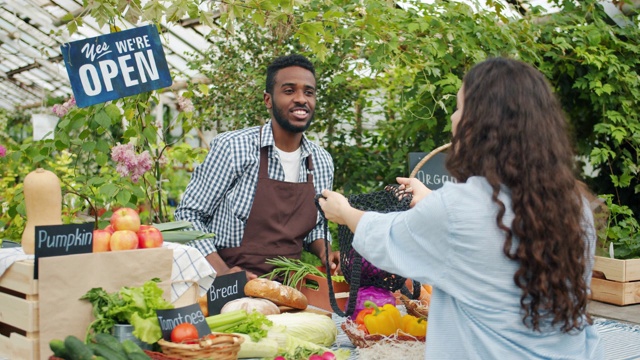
(622, 232)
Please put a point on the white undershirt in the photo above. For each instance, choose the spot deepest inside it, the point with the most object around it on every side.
(290, 164)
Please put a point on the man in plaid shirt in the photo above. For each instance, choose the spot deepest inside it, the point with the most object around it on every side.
(256, 188)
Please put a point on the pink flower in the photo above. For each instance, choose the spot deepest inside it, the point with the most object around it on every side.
(184, 104)
(128, 163)
(3, 151)
(62, 110)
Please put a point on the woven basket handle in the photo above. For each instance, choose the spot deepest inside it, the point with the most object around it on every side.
(427, 158)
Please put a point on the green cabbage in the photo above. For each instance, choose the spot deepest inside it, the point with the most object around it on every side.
(315, 328)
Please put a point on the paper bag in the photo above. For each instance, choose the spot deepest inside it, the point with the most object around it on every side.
(64, 279)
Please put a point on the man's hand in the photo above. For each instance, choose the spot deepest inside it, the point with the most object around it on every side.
(318, 248)
(221, 267)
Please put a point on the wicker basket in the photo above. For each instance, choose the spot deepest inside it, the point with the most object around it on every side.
(415, 307)
(222, 347)
(362, 340)
(154, 355)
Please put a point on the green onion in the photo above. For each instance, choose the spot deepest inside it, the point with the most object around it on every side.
(292, 271)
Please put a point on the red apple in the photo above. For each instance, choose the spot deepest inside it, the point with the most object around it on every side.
(149, 237)
(101, 240)
(125, 219)
(124, 240)
(110, 229)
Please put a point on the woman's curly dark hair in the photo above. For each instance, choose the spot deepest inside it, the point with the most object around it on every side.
(513, 132)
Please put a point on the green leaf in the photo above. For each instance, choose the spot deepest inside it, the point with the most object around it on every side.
(88, 146)
(108, 190)
(123, 197)
(103, 119)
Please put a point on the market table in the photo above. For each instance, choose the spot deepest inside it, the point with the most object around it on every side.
(189, 266)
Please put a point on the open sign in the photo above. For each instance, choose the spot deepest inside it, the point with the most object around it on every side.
(116, 65)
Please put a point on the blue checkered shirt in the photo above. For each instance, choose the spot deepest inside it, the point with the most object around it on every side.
(220, 193)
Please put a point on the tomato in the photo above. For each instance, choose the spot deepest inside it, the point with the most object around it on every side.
(184, 332)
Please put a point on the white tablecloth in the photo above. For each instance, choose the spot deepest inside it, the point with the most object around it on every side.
(188, 265)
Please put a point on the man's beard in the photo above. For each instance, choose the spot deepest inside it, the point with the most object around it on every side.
(286, 125)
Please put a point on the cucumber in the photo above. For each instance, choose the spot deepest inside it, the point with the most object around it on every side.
(77, 349)
(131, 348)
(139, 356)
(57, 346)
(111, 342)
(106, 352)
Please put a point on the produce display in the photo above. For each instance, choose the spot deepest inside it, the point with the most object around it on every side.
(249, 327)
(125, 232)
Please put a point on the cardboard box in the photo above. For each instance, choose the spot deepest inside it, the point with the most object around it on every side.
(23, 300)
(616, 281)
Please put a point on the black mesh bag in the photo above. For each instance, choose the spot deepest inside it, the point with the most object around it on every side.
(359, 272)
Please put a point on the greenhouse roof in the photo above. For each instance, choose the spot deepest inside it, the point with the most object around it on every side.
(31, 64)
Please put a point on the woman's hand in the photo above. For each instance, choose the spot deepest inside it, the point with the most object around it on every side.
(336, 208)
(334, 204)
(414, 187)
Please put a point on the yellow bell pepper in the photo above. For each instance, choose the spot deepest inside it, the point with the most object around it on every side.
(385, 320)
(414, 326)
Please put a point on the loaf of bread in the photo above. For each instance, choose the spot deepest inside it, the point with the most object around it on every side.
(204, 305)
(279, 294)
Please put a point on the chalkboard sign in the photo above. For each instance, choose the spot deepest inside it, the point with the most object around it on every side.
(57, 240)
(115, 65)
(434, 172)
(171, 318)
(224, 289)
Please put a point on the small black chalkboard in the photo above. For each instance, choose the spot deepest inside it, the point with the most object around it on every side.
(224, 289)
(434, 172)
(171, 318)
(57, 240)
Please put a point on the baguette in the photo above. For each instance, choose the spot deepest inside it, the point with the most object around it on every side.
(279, 294)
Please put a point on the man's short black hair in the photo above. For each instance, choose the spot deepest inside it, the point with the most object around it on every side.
(285, 62)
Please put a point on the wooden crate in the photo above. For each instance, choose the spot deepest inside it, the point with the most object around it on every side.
(618, 270)
(320, 297)
(19, 338)
(620, 284)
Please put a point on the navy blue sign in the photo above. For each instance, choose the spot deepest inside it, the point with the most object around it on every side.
(224, 289)
(192, 314)
(434, 172)
(116, 65)
(57, 240)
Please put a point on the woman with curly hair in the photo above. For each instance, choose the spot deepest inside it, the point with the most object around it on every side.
(509, 248)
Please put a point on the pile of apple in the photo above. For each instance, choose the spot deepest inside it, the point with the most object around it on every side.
(124, 232)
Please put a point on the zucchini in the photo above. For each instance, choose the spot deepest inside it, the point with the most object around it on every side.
(105, 352)
(57, 346)
(77, 349)
(131, 347)
(139, 356)
(111, 342)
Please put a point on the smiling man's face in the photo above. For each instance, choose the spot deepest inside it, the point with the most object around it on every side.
(293, 101)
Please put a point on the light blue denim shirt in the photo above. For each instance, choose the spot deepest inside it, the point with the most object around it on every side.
(450, 240)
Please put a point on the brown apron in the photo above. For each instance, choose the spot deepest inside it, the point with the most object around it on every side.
(282, 215)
